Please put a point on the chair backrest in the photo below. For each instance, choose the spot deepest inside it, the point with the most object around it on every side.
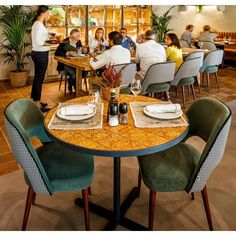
(213, 58)
(128, 73)
(195, 54)
(208, 45)
(209, 119)
(24, 120)
(158, 73)
(184, 43)
(189, 68)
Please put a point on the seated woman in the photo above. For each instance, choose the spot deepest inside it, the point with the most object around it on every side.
(98, 41)
(173, 50)
(208, 34)
(70, 46)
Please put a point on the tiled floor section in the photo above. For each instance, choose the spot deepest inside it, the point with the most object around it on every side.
(53, 96)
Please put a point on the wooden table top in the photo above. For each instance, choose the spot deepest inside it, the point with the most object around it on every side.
(123, 139)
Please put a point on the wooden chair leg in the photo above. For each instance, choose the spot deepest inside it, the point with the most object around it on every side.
(193, 93)
(86, 208)
(60, 82)
(192, 196)
(207, 207)
(217, 81)
(65, 85)
(139, 182)
(152, 205)
(29, 200)
(89, 190)
(198, 85)
(183, 96)
(208, 82)
(86, 84)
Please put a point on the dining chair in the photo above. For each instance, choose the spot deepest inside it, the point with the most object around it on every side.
(64, 77)
(211, 65)
(192, 55)
(184, 43)
(158, 78)
(51, 167)
(208, 45)
(185, 75)
(183, 167)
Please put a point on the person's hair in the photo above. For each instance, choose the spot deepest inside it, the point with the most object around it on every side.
(41, 9)
(123, 28)
(206, 28)
(97, 31)
(73, 31)
(174, 40)
(188, 27)
(149, 34)
(116, 37)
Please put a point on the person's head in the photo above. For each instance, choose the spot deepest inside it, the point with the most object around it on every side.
(172, 40)
(115, 38)
(75, 34)
(99, 33)
(123, 32)
(206, 28)
(42, 12)
(149, 35)
(189, 28)
(140, 38)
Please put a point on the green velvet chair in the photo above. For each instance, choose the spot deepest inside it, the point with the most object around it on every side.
(183, 167)
(51, 167)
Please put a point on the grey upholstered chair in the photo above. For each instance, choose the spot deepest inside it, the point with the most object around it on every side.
(184, 43)
(49, 168)
(185, 75)
(183, 167)
(158, 77)
(210, 65)
(208, 45)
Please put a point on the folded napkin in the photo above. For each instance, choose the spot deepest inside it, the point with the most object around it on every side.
(163, 108)
(76, 110)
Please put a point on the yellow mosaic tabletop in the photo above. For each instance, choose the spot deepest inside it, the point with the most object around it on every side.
(121, 140)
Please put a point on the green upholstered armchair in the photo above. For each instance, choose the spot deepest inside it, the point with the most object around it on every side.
(183, 167)
(51, 167)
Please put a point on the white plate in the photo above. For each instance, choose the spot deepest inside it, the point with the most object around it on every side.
(61, 114)
(163, 116)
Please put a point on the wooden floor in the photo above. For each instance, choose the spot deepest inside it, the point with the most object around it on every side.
(53, 96)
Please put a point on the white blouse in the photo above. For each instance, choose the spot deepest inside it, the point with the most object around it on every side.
(39, 35)
(93, 43)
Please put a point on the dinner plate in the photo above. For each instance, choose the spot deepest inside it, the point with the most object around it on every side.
(61, 113)
(52, 41)
(163, 116)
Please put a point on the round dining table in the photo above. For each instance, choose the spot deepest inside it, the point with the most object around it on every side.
(122, 141)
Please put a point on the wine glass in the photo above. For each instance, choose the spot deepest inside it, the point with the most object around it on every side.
(94, 99)
(136, 87)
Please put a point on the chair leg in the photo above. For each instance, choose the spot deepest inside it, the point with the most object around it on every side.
(86, 84)
(208, 82)
(217, 81)
(29, 200)
(192, 196)
(183, 96)
(193, 93)
(60, 82)
(86, 208)
(198, 85)
(207, 207)
(65, 85)
(139, 183)
(89, 190)
(152, 205)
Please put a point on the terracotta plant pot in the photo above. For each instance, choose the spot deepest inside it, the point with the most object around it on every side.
(19, 79)
(106, 93)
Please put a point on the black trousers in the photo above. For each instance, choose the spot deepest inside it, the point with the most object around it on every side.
(40, 60)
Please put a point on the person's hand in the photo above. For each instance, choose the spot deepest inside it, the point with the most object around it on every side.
(72, 53)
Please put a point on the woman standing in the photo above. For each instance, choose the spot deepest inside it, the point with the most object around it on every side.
(39, 54)
(96, 43)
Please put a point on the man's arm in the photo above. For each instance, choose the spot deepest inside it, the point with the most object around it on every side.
(102, 60)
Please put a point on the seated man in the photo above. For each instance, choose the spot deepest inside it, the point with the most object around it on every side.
(70, 46)
(149, 53)
(115, 55)
(127, 41)
(187, 35)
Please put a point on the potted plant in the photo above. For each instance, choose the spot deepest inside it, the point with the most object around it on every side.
(16, 23)
(160, 24)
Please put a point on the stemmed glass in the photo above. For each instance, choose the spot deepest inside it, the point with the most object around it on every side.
(136, 87)
(94, 99)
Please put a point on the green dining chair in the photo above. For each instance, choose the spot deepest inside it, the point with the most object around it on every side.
(183, 167)
(51, 167)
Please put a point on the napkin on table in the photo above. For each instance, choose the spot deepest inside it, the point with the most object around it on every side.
(77, 110)
(163, 108)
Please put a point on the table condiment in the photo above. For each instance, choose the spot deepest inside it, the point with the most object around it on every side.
(113, 115)
(123, 114)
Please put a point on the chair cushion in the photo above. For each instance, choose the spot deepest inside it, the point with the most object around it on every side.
(157, 88)
(186, 81)
(211, 69)
(67, 170)
(169, 170)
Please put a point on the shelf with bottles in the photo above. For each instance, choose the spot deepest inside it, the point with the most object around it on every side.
(113, 16)
(76, 16)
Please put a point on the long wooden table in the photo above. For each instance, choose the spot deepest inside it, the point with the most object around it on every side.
(80, 64)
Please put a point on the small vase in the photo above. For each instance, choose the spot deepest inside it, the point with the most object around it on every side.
(106, 93)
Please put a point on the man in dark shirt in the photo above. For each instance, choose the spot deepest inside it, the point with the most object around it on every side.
(127, 41)
(70, 47)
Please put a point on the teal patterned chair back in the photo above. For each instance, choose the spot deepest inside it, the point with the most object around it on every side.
(23, 121)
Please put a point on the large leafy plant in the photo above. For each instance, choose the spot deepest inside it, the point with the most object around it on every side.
(160, 24)
(15, 22)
